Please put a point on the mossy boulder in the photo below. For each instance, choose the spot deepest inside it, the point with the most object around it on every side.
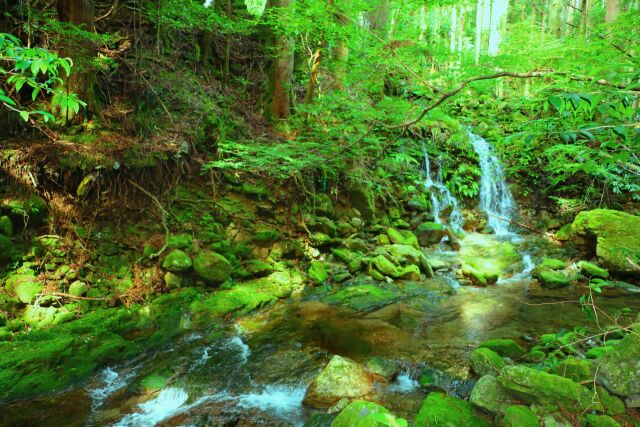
(613, 236)
(619, 369)
(24, 286)
(553, 279)
(402, 237)
(533, 386)
(317, 273)
(361, 198)
(441, 410)
(177, 261)
(552, 264)
(78, 288)
(212, 267)
(342, 378)
(363, 414)
(489, 395)
(519, 416)
(564, 233)
(382, 368)
(410, 272)
(322, 205)
(504, 347)
(6, 226)
(404, 254)
(385, 267)
(7, 251)
(42, 317)
(578, 370)
(266, 238)
(172, 280)
(430, 233)
(257, 268)
(593, 420)
(482, 271)
(361, 297)
(592, 270)
(484, 361)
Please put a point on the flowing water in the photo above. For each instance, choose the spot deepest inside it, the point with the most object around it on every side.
(256, 371)
(441, 197)
(496, 200)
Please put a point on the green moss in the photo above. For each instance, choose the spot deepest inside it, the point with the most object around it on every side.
(578, 370)
(592, 270)
(485, 361)
(553, 264)
(564, 233)
(317, 273)
(7, 251)
(181, 241)
(6, 226)
(504, 347)
(593, 420)
(361, 297)
(440, 410)
(266, 238)
(553, 279)
(519, 416)
(364, 414)
(25, 286)
(157, 380)
(212, 267)
(384, 266)
(619, 369)
(177, 261)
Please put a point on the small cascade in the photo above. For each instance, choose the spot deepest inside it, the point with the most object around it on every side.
(441, 197)
(496, 200)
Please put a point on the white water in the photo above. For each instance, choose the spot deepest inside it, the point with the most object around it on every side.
(441, 197)
(168, 403)
(110, 382)
(245, 351)
(404, 384)
(496, 200)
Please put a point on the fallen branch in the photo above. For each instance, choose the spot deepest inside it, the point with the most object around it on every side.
(163, 213)
(528, 227)
(63, 295)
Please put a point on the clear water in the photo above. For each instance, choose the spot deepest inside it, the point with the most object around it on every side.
(441, 197)
(496, 200)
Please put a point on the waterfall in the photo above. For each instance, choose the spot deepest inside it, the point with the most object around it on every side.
(441, 197)
(495, 197)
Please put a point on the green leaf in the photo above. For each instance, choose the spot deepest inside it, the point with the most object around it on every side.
(24, 115)
(557, 102)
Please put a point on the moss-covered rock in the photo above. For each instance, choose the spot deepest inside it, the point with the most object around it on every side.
(382, 368)
(31, 211)
(257, 268)
(484, 361)
(404, 254)
(384, 266)
(364, 414)
(78, 288)
(519, 416)
(177, 261)
(593, 420)
(440, 410)
(212, 267)
(489, 395)
(613, 236)
(341, 378)
(266, 238)
(539, 387)
(553, 279)
(42, 317)
(24, 286)
(430, 233)
(553, 264)
(6, 226)
(402, 237)
(322, 205)
(361, 297)
(172, 280)
(362, 198)
(410, 272)
(578, 370)
(592, 270)
(504, 347)
(619, 369)
(317, 273)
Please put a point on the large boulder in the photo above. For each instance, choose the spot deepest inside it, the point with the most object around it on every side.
(430, 233)
(384, 266)
(489, 395)
(519, 416)
(363, 414)
(533, 386)
(504, 347)
(553, 279)
(402, 237)
(613, 236)
(619, 369)
(177, 261)
(317, 273)
(212, 267)
(405, 254)
(342, 378)
(484, 361)
(441, 410)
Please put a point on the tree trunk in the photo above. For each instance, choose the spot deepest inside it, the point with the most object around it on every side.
(282, 71)
(82, 79)
(479, 19)
(555, 17)
(379, 19)
(613, 10)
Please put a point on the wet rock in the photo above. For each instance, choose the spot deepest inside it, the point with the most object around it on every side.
(356, 244)
(344, 255)
(632, 401)
(430, 233)
(322, 225)
(361, 297)
(317, 273)
(356, 265)
(439, 409)
(410, 272)
(552, 264)
(341, 378)
(319, 239)
(266, 238)
(364, 414)
(212, 267)
(438, 264)
(489, 395)
(619, 369)
(404, 254)
(258, 268)
(613, 236)
(323, 205)
(177, 261)
(504, 347)
(402, 237)
(519, 416)
(592, 270)
(485, 361)
(383, 369)
(539, 387)
(553, 279)
(454, 242)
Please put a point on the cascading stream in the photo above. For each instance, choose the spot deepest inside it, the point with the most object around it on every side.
(496, 200)
(441, 197)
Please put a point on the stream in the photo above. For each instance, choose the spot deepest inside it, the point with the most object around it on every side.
(256, 371)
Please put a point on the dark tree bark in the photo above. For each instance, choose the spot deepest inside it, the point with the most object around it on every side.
(281, 72)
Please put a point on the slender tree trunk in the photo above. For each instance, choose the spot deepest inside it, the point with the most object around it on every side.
(82, 79)
(282, 71)
(227, 46)
(379, 19)
(555, 17)
(613, 10)
(479, 19)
